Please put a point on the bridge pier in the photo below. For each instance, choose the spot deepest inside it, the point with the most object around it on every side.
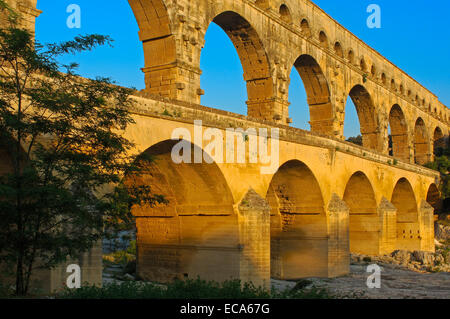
(426, 214)
(388, 227)
(255, 240)
(338, 238)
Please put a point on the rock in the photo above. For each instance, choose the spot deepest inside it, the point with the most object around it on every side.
(439, 259)
(425, 258)
(129, 277)
(401, 256)
(302, 284)
(437, 243)
(441, 232)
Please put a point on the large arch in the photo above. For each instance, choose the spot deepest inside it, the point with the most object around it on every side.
(421, 146)
(367, 116)
(439, 141)
(159, 46)
(434, 198)
(254, 60)
(196, 233)
(399, 133)
(408, 228)
(364, 221)
(299, 243)
(317, 93)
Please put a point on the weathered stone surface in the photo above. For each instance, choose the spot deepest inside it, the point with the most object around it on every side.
(327, 197)
(331, 61)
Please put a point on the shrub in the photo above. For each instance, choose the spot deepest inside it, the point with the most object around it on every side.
(191, 289)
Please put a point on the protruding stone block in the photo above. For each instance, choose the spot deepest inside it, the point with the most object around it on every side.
(426, 222)
(388, 226)
(255, 239)
(338, 241)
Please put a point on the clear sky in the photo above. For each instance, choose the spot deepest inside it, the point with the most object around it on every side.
(414, 36)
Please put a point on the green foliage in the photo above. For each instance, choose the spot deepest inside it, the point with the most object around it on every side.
(62, 142)
(5, 291)
(167, 113)
(442, 165)
(356, 140)
(365, 75)
(132, 248)
(191, 289)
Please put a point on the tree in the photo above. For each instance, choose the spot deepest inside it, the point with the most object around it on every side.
(442, 165)
(356, 140)
(63, 155)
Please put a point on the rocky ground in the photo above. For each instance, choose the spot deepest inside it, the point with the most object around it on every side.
(404, 275)
(396, 283)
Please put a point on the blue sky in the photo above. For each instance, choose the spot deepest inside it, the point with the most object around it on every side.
(414, 36)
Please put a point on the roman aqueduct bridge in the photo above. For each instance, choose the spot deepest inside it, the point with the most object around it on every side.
(328, 197)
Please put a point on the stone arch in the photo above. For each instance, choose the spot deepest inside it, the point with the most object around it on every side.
(298, 223)
(323, 39)
(364, 221)
(408, 228)
(254, 60)
(434, 198)
(439, 140)
(421, 143)
(351, 57)
(393, 85)
(373, 70)
(363, 64)
(285, 13)
(383, 78)
(368, 120)
(306, 30)
(338, 50)
(159, 46)
(399, 133)
(317, 93)
(196, 233)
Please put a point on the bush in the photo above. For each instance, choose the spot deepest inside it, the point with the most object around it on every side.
(190, 289)
(132, 248)
(5, 290)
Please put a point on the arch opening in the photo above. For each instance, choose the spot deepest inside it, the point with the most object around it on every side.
(439, 142)
(285, 14)
(351, 57)
(254, 61)
(218, 82)
(299, 244)
(399, 133)
(434, 198)
(323, 39)
(363, 65)
(338, 50)
(171, 237)
(364, 221)
(367, 117)
(421, 147)
(408, 228)
(317, 94)
(306, 30)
